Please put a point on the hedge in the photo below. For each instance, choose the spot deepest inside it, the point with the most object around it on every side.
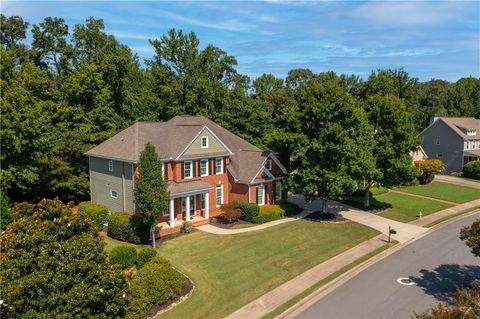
(96, 212)
(123, 255)
(472, 169)
(155, 284)
(144, 256)
(267, 217)
(248, 210)
(126, 227)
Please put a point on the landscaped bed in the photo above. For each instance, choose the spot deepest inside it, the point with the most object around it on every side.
(230, 271)
(446, 191)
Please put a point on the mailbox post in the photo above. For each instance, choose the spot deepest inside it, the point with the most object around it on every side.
(390, 232)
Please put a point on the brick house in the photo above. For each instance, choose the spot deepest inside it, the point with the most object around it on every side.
(205, 166)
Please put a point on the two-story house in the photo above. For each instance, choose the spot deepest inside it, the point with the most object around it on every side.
(205, 166)
(454, 140)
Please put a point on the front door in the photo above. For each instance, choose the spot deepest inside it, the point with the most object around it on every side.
(192, 206)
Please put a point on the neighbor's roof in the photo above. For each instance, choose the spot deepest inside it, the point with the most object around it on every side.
(461, 124)
(185, 187)
(170, 139)
(472, 152)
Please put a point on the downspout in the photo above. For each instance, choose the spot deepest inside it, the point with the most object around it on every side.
(123, 186)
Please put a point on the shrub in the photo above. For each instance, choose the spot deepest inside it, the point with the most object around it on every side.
(472, 169)
(126, 227)
(155, 284)
(230, 212)
(248, 210)
(267, 217)
(96, 212)
(428, 169)
(123, 255)
(187, 227)
(145, 255)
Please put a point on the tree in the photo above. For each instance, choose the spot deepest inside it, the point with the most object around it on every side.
(12, 30)
(151, 195)
(5, 216)
(471, 236)
(54, 266)
(428, 169)
(395, 138)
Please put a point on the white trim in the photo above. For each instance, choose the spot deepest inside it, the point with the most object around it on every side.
(207, 206)
(111, 193)
(166, 212)
(216, 195)
(183, 194)
(269, 174)
(215, 165)
(201, 142)
(110, 165)
(113, 158)
(268, 164)
(267, 181)
(262, 189)
(198, 134)
(191, 170)
(200, 167)
(172, 212)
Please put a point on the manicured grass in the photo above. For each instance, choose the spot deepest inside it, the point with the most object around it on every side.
(446, 191)
(326, 280)
(231, 271)
(441, 220)
(288, 209)
(110, 243)
(404, 208)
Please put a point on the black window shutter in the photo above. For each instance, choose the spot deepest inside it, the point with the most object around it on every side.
(166, 171)
(194, 163)
(224, 165)
(183, 174)
(256, 200)
(214, 164)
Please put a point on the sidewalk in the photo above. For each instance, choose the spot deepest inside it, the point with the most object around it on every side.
(457, 180)
(280, 295)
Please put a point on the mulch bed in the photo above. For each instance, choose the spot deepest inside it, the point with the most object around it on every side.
(187, 287)
(220, 224)
(325, 217)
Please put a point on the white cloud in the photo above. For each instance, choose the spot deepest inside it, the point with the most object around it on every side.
(129, 35)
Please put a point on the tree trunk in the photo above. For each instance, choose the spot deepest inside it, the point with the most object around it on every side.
(324, 205)
(366, 202)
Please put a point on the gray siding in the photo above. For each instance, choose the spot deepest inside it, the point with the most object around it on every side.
(451, 146)
(213, 145)
(102, 181)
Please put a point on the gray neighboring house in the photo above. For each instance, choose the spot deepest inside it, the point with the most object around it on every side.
(454, 140)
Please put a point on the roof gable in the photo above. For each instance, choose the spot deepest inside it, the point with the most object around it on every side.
(195, 147)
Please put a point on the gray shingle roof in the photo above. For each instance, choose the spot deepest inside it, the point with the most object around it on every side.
(461, 124)
(185, 187)
(170, 139)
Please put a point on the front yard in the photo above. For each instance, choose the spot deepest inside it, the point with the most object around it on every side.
(446, 191)
(230, 271)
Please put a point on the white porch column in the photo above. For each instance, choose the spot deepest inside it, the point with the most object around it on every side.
(172, 213)
(207, 216)
(187, 207)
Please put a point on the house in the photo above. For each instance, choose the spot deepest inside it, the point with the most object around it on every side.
(205, 166)
(418, 155)
(454, 140)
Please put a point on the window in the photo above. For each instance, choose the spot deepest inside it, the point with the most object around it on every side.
(471, 132)
(113, 193)
(204, 141)
(260, 195)
(437, 141)
(166, 212)
(219, 165)
(187, 169)
(268, 164)
(439, 155)
(202, 201)
(203, 167)
(110, 165)
(278, 191)
(219, 195)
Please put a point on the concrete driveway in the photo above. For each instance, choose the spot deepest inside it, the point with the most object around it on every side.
(457, 181)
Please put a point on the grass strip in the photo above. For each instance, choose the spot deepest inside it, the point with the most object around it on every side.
(441, 220)
(326, 280)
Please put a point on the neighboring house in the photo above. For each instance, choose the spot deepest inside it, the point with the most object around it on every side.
(418, 155)
(205, 166)
(454, 140)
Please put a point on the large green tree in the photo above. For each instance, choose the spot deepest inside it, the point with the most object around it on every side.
(54, 266)
(151, 194)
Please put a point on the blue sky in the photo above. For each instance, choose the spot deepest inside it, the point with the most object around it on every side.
(434, 39)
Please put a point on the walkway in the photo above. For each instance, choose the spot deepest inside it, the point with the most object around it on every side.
(280, 295)
(422, 196)
(457, 180)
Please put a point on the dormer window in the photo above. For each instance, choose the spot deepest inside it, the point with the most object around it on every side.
(110, 165)
(268, 164)
(471, 132)
(204, 141)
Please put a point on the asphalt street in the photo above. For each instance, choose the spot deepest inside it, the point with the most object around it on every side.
(436, 263)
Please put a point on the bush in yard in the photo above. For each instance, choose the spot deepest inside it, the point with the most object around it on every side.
(472, 169)
(5, 217)
(230, 212)
(126, 227)
(123, 255)
(187, 227)
(428, 169)
(248, 210)
(144, 256)
(97, 213)
(267, 217)
(155, 284)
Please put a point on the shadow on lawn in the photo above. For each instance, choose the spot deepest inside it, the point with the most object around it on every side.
(443, 281)
(375, 204)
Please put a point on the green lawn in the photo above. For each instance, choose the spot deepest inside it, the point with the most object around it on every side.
(110, 243)
(404, 208)
(230, 271)
(446, 191)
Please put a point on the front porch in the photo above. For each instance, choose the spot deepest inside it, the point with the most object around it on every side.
(193, 206)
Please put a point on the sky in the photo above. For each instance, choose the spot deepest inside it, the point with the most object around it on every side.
(429, 39)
